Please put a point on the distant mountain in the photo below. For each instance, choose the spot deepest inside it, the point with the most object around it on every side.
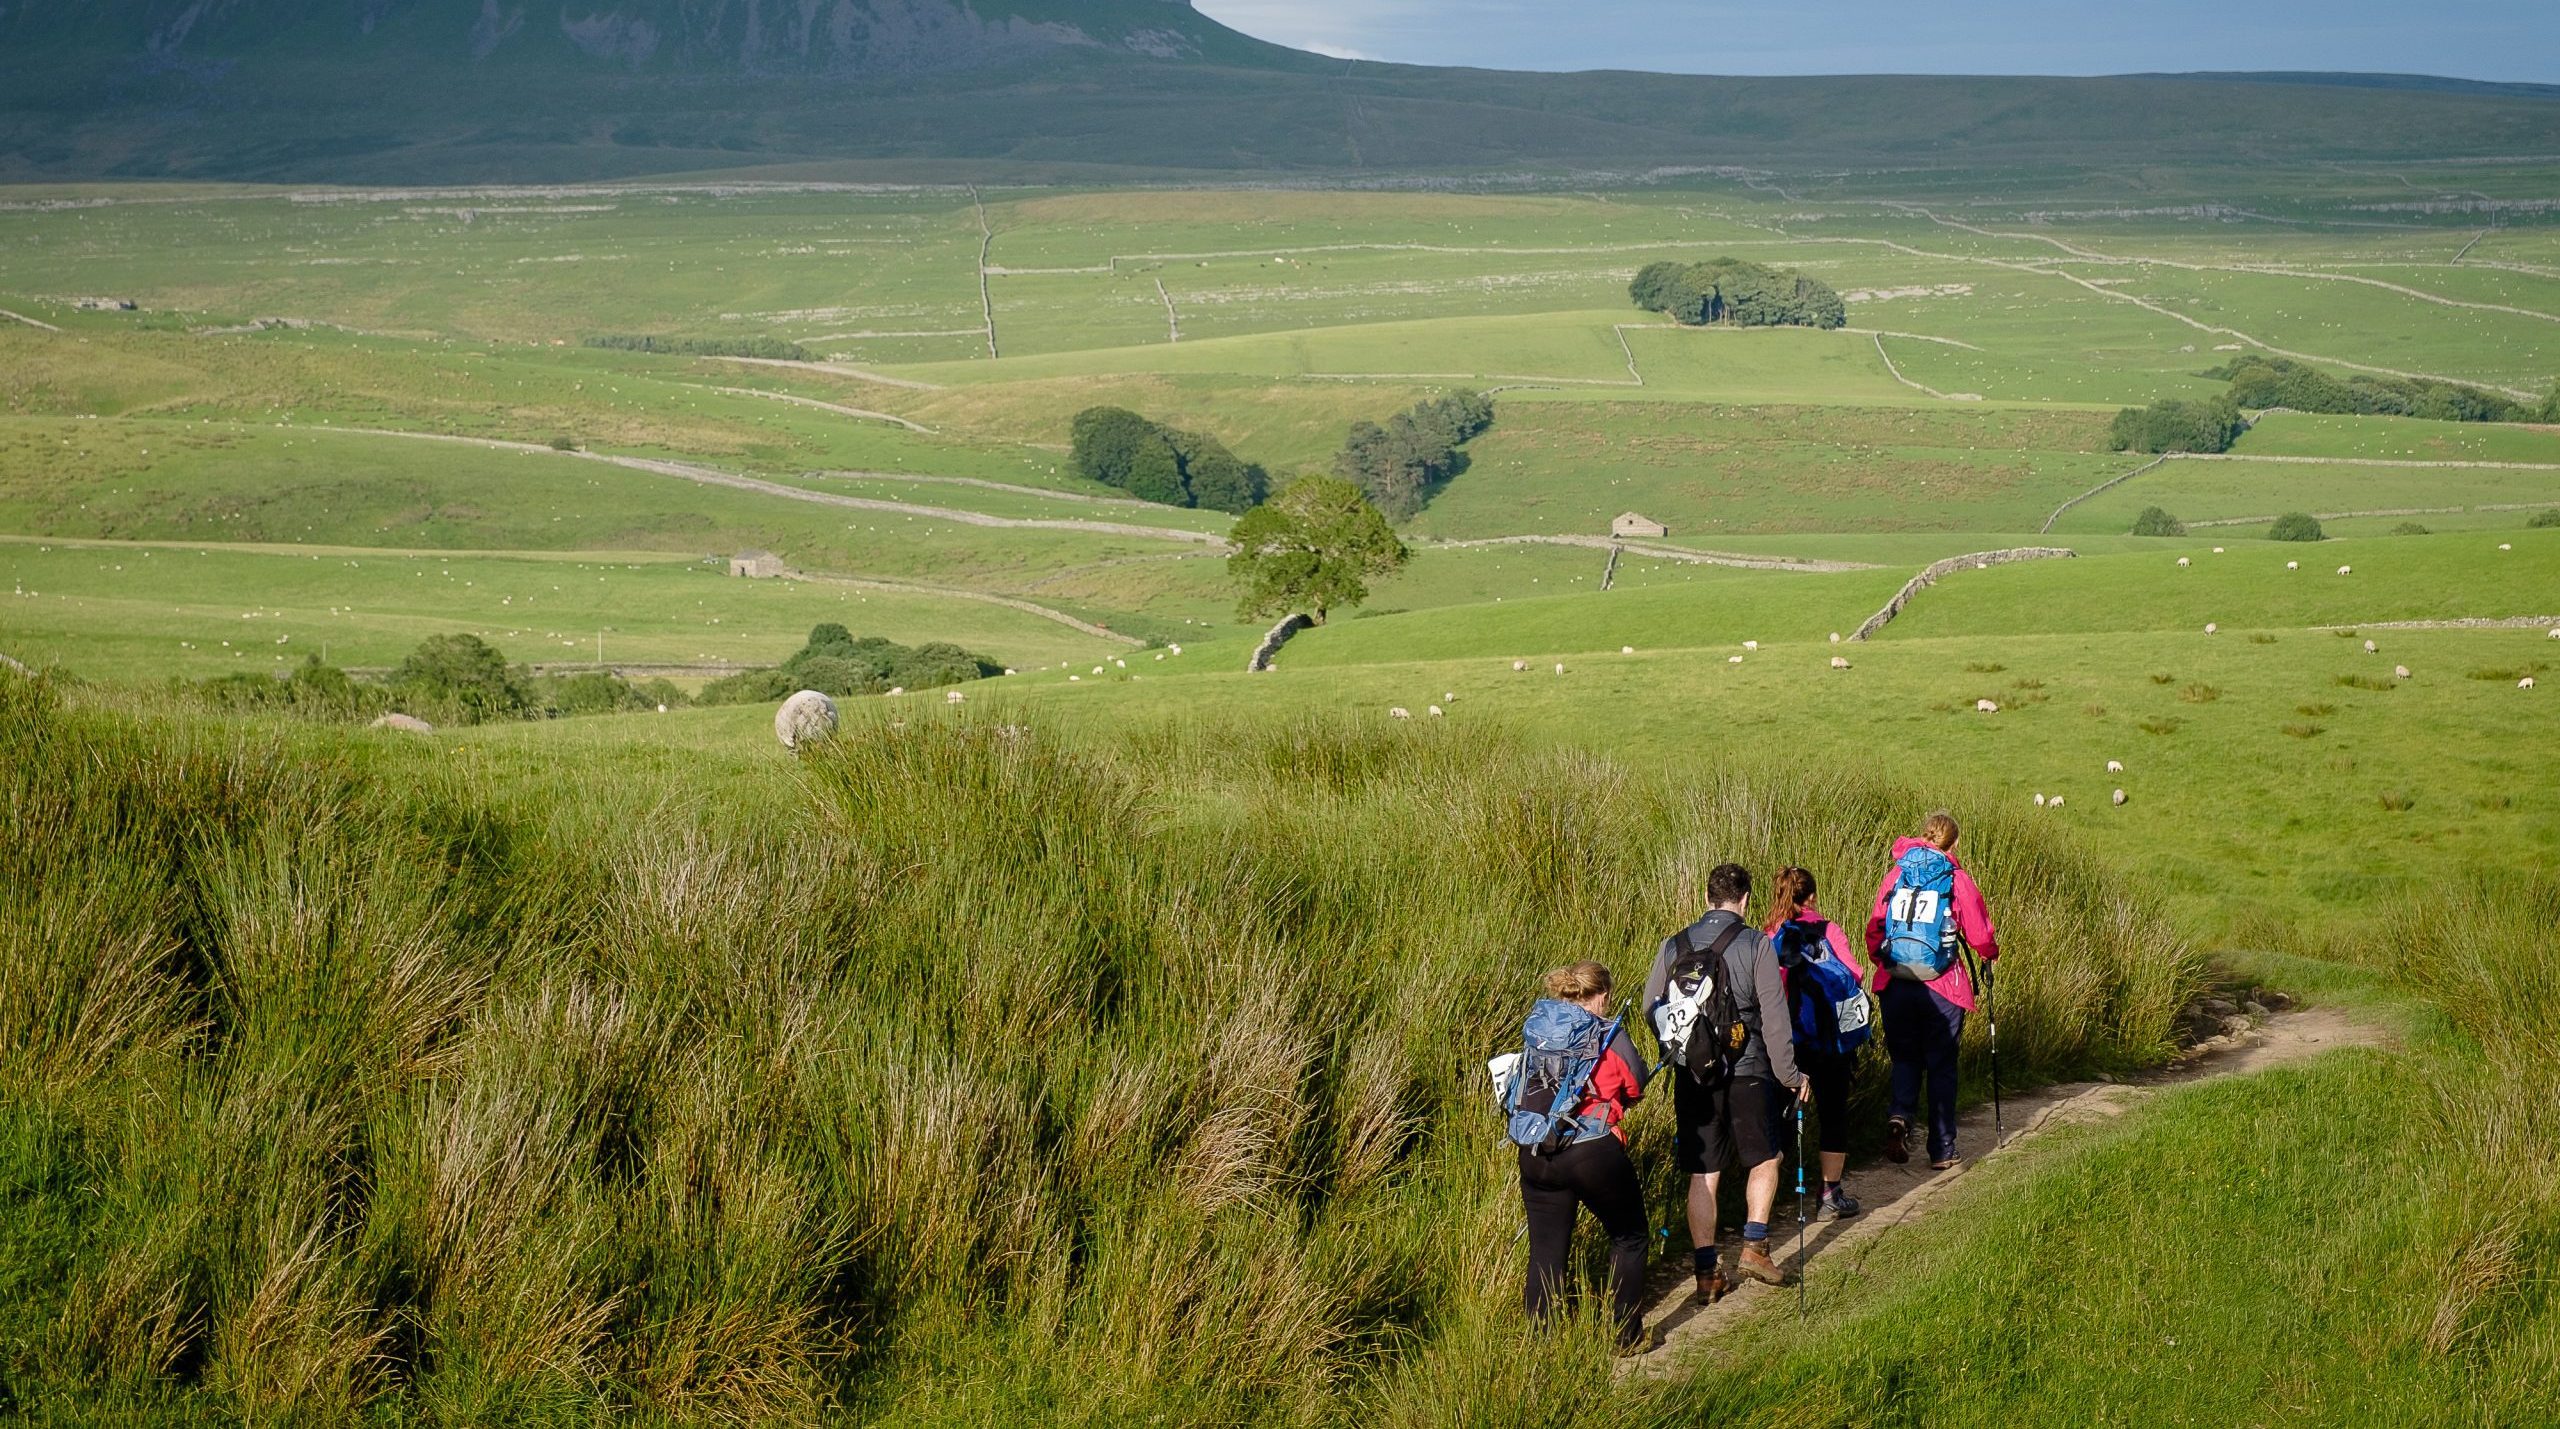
(390, 91)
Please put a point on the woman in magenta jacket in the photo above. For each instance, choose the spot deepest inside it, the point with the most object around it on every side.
(1791, 900)
(1923, 1022)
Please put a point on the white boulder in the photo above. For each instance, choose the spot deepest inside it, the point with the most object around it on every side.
(411, 724)
(804, 719)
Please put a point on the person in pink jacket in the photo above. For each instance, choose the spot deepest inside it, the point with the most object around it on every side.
(1811, 934)
(1924, 1020)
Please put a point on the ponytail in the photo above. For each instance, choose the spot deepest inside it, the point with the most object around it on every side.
(1790, 892)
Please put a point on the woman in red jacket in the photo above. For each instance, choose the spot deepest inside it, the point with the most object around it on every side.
(1593, 1171)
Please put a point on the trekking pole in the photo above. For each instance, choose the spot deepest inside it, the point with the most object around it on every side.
(1800, 1216)
(1991, 1015)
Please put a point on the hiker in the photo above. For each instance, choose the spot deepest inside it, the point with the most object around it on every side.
(1576, 1154)
(1827, 1004)
(1716, 1000)
(1927, 913)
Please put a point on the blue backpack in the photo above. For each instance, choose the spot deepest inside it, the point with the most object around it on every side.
(1831, 1012)
(1920, 915)
(1560, 1048)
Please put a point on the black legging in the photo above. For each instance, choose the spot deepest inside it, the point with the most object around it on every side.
(1831, 1076)
(1594, 1173)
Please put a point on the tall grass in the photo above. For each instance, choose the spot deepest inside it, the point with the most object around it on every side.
(964, 1075)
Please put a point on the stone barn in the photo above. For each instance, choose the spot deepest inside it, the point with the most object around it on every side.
(1629, 524)
(755, 565)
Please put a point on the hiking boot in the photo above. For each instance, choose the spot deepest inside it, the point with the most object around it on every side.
(1712, 1286)
(1897, 1141)
(1756, 1263)
(1835, 1205)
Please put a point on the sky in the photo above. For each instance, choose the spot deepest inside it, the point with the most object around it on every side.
(2513, 40)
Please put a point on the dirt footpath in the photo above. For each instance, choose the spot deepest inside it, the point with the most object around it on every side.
(1896, 1196)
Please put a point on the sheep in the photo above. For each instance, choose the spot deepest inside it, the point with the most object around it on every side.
(1010, 671)
(2555, 632)
(1986, 707)
(2211, 628)
(2372, 649)
(2119, 798)
(1835, 637)
(1075, 679)
(1123, 664)
(1517, 666)
(2293, 565)
(1751, 645)
(2346, 570)
(2115, 766)
(2525, 684)
(805, 718)
(2504, 546)
(1450, 698)
(2039, 801)
(2182, 560)
(1173, 649)
(1399, 712)
(1559, 667)
(1159, 657)
(2055, 802)
(895, 690)
(2400, 671)
(1733, 659)
(2217, 550)
(1839, 664)
(411, 724)
(1097, 669)
(662, 709)
(1434, 711)
(1626, 649)
(954, 697)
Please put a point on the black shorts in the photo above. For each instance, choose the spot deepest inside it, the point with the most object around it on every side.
(1741, 1120)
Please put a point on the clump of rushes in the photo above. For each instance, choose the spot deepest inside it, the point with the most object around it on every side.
(953, 1065)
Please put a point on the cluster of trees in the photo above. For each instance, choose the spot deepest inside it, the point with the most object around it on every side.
(2261, 382)
(2297, 526)
(448, 679)
(704, 346)
(1154, 462)
(2178, 424)
(1398, 466)
(1313, 548)
(1731, 290)
(833, 662)
(2154, 521)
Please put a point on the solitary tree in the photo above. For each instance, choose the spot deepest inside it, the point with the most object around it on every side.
(2155, 521)
(1314, 547)
(2296, 526)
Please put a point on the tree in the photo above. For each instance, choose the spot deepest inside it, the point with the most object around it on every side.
(1106, 442)
(1314, 547)
(1732, 290)
(2175, 424)
(2544, 520)
(2155, 522)
(2296, 526)
(464, 677)
(1216, 479)
(1399, 466)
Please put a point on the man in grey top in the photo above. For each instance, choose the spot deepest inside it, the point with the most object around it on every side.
(1731, 1106)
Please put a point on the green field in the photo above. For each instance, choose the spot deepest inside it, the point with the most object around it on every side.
(1190, 962)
